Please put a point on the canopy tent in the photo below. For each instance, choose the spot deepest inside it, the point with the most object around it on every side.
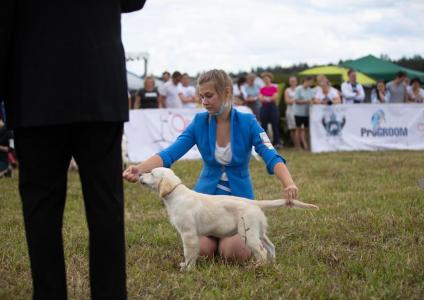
(133, 57)
(379, 68)
(337, 74)
(134, 81)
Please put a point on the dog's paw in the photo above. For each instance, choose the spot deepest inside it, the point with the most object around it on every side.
(186, 267)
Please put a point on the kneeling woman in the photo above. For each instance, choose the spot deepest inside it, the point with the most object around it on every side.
(224, 137)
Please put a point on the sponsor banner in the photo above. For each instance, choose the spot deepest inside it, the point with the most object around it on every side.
(151, 130)
(367, 127)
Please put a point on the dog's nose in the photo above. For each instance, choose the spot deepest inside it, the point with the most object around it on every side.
(141, 178)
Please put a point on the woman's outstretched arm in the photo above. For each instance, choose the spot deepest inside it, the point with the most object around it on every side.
(132, 173)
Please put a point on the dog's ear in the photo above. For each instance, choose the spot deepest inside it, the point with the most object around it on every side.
(164, 187)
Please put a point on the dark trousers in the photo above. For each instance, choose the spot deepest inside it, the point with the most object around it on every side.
(270, 114)
(44, 154)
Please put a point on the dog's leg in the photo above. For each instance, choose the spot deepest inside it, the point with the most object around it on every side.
(269, 246)
(249, 231)
(191, 249)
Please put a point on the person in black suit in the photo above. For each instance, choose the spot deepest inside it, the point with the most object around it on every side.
(47, 46)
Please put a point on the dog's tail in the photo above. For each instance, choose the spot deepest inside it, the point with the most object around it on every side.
(283, 202)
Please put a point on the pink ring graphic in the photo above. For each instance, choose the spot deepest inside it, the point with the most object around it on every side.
(180, 117)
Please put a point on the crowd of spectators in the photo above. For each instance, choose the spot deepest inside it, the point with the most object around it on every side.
(260, 95)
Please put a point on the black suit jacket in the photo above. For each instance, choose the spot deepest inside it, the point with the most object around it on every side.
(62, 61)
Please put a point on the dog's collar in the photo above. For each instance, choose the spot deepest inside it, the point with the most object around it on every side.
(173, 189)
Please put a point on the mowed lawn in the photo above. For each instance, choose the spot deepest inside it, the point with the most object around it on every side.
(366, 241)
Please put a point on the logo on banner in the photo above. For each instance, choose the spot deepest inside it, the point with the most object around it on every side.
(378, 119)
(171, 125)
(333, 124)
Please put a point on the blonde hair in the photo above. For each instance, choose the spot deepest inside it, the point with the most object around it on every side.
(251, 75)
(150, 77)
(221, 81)
(267, 74)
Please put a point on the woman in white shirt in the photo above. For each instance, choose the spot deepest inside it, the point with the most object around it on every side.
(327, 94)
(380, 94)
(289, 99)
(416, 93)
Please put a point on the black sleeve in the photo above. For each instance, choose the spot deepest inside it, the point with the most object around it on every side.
(7, 12)
(140, 93)
(131, 5)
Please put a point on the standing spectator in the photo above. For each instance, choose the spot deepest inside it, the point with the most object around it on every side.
(169, 92)
(352, 91)
(303, 97)
(289, 99)
(86, 122)
(187, 92)
(165, 76)
(239, 93)
(327, 94)
(147, 97)
(269, 111)
(380, 94)
(397, 89)
(319, 80)
(416, 93)
(252, 95)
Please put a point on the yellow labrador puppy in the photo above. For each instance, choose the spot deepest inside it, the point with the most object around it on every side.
(194, 215)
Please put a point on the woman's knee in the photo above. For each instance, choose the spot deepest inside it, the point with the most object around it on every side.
(208, 246)
(233, 248)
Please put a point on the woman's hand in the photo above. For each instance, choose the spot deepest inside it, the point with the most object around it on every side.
(131, 174)
(291, 192)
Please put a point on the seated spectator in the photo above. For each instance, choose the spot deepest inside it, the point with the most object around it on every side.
(352, 91)
(239, 93)
(416, 93)
(187, 92)
(327, 94)
(397, 89)
(252, 95)
(380, 94)
(147, 97)
(169, 92)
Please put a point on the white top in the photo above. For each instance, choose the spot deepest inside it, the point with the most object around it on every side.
(187, 91)
(223, 155)
(170, 91)
(349, 93)
(374, 96)
(239, 91)
(332, 94)
(290, 107)
(418, 98)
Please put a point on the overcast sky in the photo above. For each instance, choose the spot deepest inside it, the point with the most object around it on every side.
(196, 35)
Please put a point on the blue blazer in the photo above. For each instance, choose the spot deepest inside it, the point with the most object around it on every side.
(245, 133)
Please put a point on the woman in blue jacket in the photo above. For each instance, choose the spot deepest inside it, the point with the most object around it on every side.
(224, 137)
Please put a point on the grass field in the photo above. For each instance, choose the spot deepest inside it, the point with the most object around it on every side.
(366, 241)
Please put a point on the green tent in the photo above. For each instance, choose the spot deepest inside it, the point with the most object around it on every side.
(337, 75)
(380, 69)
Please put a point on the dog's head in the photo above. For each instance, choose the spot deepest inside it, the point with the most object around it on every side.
(162, 180)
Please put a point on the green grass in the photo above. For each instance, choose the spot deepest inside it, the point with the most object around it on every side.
(366, 241)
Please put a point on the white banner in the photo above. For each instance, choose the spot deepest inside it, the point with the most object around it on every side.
(151, 130)
(367, 127)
